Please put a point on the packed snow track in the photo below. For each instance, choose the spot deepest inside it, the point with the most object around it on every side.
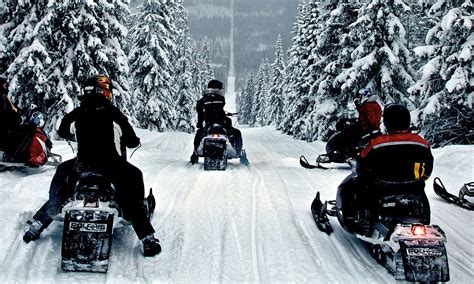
(246, 224)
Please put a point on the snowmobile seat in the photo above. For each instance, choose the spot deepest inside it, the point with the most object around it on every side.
(92, 184)
(401, 202)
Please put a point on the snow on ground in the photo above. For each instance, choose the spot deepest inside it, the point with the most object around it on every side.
(245, 224)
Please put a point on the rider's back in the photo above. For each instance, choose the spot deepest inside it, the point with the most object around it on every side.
(94, 123)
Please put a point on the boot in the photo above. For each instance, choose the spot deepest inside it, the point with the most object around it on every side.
(151, 245)
(34, 231)
(194, 158)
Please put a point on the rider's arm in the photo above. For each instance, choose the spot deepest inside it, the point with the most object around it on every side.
(64, 130)
(200, 112)
(129, 138)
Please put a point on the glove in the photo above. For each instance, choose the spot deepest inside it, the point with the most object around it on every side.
(131, 142)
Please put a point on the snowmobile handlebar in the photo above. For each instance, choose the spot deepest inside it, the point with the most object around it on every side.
(231, 113)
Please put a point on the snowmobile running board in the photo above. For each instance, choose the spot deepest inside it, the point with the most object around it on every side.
(441, 191)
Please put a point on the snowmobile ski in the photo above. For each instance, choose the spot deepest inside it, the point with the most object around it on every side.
(320, 215)
(243, 158)
(304, 163)
(441, 191)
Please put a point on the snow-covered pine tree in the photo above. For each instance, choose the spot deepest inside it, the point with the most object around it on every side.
(185, 93)
(151, 64)
(333, 50)
(246, 98)
(301, 75)
(381, 57)
(72, 41)
(446, 86)
(17, 23)
(260, 98)
(275, 94)
(206, 68)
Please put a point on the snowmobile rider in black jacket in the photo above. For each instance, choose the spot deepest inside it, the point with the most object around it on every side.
(210, 109)
(395, 162)
(10, 118)
(94, 120)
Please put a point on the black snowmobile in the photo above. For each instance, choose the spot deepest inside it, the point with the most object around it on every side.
(342, 147)
(89, 220)
(396, 229)
(216, 148)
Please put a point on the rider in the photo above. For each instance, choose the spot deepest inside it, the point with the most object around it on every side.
(353, 134)
(94, 120)
(370, 112)
(16, 137)
(10, 118)
(398, 157)
(210, 109)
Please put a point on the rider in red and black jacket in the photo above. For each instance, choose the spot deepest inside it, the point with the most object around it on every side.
(396, 162)
(399, 155)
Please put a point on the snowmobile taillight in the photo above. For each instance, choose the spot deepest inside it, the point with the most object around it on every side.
(418, 230)
(215, 135)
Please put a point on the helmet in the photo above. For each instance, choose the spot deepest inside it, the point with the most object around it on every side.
(366, 94)
(396, 117)
(3, 86)
(215, 84)
(37, 118)
(98, 85)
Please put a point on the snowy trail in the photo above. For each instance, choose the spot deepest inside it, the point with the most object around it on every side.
(246, 224)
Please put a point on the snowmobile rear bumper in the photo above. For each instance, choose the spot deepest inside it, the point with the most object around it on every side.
(87, 239)
(411, 257)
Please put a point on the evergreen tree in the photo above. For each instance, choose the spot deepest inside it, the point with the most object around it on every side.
(333, 50)
(185, 93)
(246, 98)
(151, 64)
(446, 86)
(260, 96)
(275, 94)
(301, 74)
(381, 58)
(72, 41)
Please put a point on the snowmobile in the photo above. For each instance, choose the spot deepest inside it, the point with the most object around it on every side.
(342, 147)
(89, 218)
(33, 151)
(396, 230)
(216, 149)
(460, 200)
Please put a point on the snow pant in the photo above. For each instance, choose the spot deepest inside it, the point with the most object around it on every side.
(354, 202)
(126, 178)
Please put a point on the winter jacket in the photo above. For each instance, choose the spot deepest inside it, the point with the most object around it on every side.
(94, 120)
(397, 157)
(9, 117)
(370, 115)
(210, 108)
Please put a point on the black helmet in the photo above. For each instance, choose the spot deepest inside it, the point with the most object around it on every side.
(3, 85)
(98, 85)
(396, 117)
(215, 84)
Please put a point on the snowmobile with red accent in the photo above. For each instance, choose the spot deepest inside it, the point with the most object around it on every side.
(29, 147)
(396, 229)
